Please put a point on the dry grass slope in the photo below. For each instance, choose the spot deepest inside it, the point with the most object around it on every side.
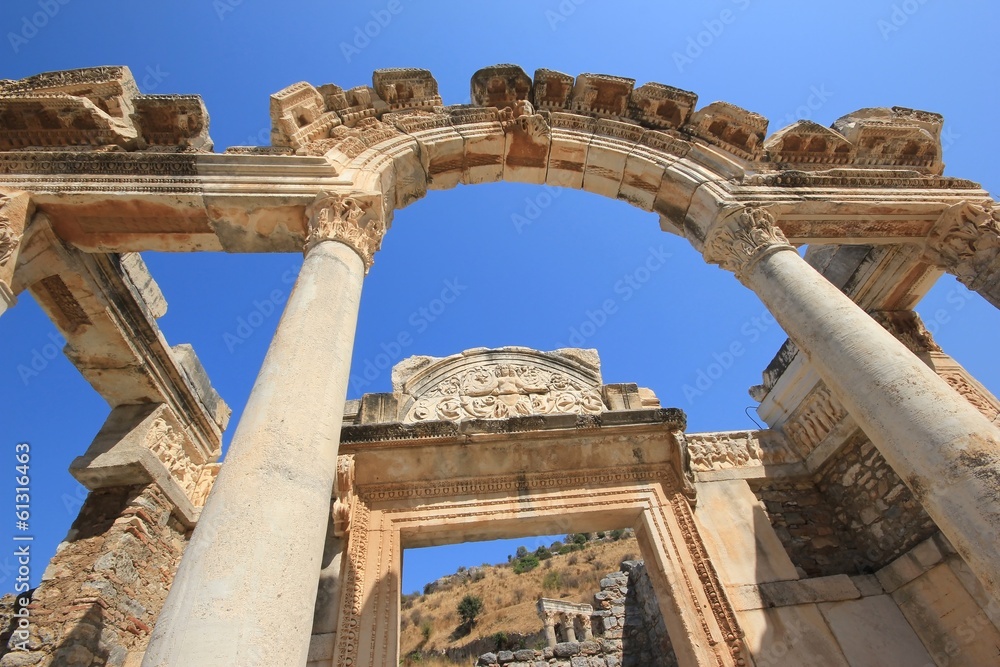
(428, 622)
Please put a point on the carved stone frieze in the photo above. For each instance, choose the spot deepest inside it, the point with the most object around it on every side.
(908, 329)
(958, 381)
(713, 453)
(813, 420)
(965, 241)
(344, 218)
(9, 237)
(738, 242)
(167, 443)
(206, 479)
(501, 390)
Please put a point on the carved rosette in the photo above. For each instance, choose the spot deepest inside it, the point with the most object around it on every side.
(499, 391)
(9, 238)
(345, 218)
(965, 241)
(743, 239)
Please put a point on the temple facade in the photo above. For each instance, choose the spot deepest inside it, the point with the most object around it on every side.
(858, 528)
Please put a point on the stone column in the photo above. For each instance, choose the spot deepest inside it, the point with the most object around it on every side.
(965, 242)
(940, 445)
(550, 630)
(568, 624)
(14, 211)
(246, 586)
(588, 634)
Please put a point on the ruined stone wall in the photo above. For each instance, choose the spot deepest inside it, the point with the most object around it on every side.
(627, 625)
(853, 516)
(645, 640)
(807, 525)
(102, 591)
(874, 503)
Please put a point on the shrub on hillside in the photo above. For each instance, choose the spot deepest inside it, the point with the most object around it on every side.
(542, 553)
(469, 608)
(552, 581)
(525, 564)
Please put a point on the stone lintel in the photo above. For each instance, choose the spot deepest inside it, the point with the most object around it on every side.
(125, 453)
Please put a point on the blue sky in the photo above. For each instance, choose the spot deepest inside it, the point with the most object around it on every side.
(530, 285)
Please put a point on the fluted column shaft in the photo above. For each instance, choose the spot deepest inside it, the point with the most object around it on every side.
(946, 452)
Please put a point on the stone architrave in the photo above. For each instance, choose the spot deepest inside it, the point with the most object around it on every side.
(943, 447)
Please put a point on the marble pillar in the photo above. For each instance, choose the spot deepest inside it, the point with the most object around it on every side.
(246, 586)
(941, 446)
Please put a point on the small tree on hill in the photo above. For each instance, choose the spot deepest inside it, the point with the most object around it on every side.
(469, 608)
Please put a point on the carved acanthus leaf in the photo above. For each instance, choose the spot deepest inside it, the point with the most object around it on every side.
(742, 239)
(502, 390)
(9, 239)
(965, 241)
(341, 217)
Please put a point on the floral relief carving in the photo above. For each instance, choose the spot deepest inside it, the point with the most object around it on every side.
(340, 217)
(743, 239)
(9, 239)
(502, 390)
(966, 242)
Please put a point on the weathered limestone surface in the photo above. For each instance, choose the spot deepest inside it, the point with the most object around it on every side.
(739, 536)
(90, 168)
(100, 595)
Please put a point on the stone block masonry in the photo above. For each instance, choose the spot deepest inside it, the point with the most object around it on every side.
(103, 589)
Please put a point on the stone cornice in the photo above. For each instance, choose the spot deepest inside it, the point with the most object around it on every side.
(744, 238)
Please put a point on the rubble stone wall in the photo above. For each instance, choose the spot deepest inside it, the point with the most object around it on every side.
(103, 589)
(853, 517)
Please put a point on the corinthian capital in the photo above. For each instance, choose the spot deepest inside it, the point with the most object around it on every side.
(965, 241)
(355, 220)
(742, 239)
